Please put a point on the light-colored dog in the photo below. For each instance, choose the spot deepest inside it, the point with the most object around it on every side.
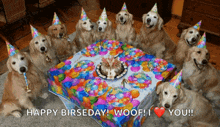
(59, 38)
(84, 33)
(153, 38)
(42, 53)
(200, 75)
(184, 99)
(125, 31)
(15, 96)
(188, 38)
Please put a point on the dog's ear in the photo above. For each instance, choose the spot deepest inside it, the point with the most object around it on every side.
(144, 17)
(48, 40)
(9, 64)
(208, 56)
(49, 31)
(188, 55)
(181, 93)
(117, 18)
(32, 46)
(78, 26)
(160, 23)
(131, 18)
(109, 23)
(183, 33)
(159, 88)
(65, 28)
(27, 56)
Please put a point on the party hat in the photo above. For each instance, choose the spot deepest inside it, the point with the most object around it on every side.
(11, 49)
(197, 25)
(154, 9)
(34, 32)
(56, 20)
(103, 15)
(124, 8)
(176, 80)
(202, 41)
(83, 15)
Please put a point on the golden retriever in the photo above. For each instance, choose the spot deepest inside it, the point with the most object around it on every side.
(200, 75)
(189, 37)
(125, 31)
(153, 38)
(84, 33)
(15, 95)
(104, 30)
(42, 53)
(184, 99)
(59, 38)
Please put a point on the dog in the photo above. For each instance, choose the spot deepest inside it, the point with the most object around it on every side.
(200, 75)
(125, 31)
(153, 38)
(15, 96)
(59, 38)
(42, 53)
(188, 38)
(184, 99)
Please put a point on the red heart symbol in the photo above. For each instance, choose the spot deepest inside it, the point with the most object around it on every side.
(159, 111)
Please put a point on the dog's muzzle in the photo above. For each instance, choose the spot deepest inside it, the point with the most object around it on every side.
(61, 35)
(92, 26)
(100, 28)
(167, 106)
(43, 49)
(22, 69)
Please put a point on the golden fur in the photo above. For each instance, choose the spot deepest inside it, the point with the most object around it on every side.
(15, 97)
(182, 99)
(200, 75)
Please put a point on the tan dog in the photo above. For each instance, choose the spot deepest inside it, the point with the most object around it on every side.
(125, 31)
(42, 53)
(84, 33)
(200, 75)
(182, 99)
(59, 38)
(153, 38)
(188, 38)
(15, 96)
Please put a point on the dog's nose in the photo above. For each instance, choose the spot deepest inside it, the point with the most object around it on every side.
(193, 39)
(121, 18)
(148, 20)
(204, 62)
(92, 26)
(100, 28)
(167, 105)
(22, 69)
(61, 34)
(42, 49)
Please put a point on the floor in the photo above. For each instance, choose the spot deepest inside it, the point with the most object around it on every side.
(170, 27)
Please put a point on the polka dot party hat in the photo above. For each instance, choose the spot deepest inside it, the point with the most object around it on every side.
(34, 32)
(197, 25)
(103, 16)
(176, 80)
(202, 41)
(11, 49)
(124, 8)
(83, 15)
(56, 20)
(154, 9)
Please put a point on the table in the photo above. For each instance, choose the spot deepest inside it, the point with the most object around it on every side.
(75, 78)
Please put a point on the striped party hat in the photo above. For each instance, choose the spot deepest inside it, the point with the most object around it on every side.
(56, 20)
(176, 80)
(83, 15)
(154, 9)
(202, 41)
(198, 25)
(103, 15)
(34, 32)
(124, 8)
(11, 49)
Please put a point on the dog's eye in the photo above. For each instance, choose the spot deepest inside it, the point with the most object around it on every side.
(197, 35)
(22, 58)
(199, 52)
(36, 42)
(84, 23)
(90, 21)
(98, 22)
(13, 63)
(174, 96)
(43, 40)
(105, 23)
(148, 15)
(190, 32)
(165, 93)
(61, 28)
(155, 17)
(119, 14)
(55, 29)
(126, 14)
(207, 54)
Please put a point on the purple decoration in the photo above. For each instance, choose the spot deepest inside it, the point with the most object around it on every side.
(135, 69)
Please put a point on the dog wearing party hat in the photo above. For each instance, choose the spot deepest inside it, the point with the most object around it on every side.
(42, 52)
(104, 28)
(199, 75)
(153, 38)
(173, 96)
(60, 41)
(23, 83)
(188, 38)
(84, 31)
(125, 31)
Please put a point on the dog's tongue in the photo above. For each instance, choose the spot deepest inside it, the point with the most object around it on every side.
(148, 25)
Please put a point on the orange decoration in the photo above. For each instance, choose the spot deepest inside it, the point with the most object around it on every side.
(135, 93)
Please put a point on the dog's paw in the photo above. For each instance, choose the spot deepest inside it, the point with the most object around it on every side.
(44, 95)
(17, 114)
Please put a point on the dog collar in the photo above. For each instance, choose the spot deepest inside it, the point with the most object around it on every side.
(26, 81)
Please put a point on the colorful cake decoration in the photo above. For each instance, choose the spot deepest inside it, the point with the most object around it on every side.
(198, 25)
(176, 80)
(202, 41)
(124, 8)
(56, 20)
(154, 9)
(83, 15)
(11, 49)
(34, 32)
(103, 16)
